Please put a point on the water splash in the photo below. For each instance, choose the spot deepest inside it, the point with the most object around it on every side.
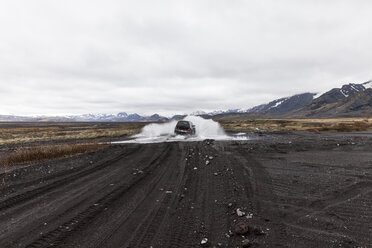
(164, 132)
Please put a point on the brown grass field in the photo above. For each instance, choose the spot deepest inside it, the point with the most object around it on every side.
(34, 142)
(46, 152)
(15, 133)
(315, 125)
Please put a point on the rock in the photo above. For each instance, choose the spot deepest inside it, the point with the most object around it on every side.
(239, 212)
(204, 241)
(195, 168)
(230, 205)
(258, 232)
(241, 228)
(168, 192)
(210, 157)
(246, 243)
(207, 162)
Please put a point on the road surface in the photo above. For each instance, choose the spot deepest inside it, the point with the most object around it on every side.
(291, 191)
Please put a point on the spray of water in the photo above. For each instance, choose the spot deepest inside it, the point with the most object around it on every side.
(164, 132)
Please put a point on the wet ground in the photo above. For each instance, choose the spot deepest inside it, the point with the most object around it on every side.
(289, 190)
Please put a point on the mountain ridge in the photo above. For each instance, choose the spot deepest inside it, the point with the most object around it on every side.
(348, 100)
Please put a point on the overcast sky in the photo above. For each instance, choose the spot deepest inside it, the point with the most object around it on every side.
(77, 56)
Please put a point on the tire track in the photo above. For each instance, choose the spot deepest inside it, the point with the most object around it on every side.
(28, 195)
(65, 173)
(121, 236)
(56, 237)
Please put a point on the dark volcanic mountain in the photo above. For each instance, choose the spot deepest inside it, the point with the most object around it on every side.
(336, 94)
(284, 105)
(349, 100)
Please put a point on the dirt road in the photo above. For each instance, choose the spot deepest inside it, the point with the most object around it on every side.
(293, 190)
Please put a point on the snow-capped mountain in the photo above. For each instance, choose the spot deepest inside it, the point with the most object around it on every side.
(345, 101)
(367, 85)
(198, 112)
(120, 117)
(349, 100)
(279, 106)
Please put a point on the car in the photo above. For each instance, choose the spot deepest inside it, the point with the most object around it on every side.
(185, 128)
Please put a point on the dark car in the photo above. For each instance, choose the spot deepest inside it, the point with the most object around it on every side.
(185, 128)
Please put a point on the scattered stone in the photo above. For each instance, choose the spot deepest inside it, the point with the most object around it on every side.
(168, 192)
(230, 205)
(241, 228)
(204, 241)
(249, 216)
(258, 232)
(246, 243)
(239, 212)
(207, 162)
(216, 174)
(210, 157)
(195, 168)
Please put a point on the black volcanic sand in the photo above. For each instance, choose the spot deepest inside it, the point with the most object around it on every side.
(295, 190)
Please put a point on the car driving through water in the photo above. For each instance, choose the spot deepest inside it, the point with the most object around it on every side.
(185, 128)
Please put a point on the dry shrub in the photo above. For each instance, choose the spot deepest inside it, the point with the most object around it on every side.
(40, 153)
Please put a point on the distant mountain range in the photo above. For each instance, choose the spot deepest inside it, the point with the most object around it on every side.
(351, 100)
(120, 117)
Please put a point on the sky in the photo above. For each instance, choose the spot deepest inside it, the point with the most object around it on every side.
(168, 57)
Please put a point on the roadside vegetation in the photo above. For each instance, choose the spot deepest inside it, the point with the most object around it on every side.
(46, 152)
(316, 125)
(34, 132)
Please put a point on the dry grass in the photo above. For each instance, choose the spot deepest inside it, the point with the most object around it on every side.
(316, 125)
(72, 132)
(41, 153)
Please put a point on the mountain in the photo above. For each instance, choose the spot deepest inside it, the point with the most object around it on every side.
(335, 95)
(273, 108)
(349, 100)
(120, 117)
(198, 112)
(284, 105)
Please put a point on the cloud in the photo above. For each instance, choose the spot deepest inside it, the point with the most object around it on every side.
(168, 57)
